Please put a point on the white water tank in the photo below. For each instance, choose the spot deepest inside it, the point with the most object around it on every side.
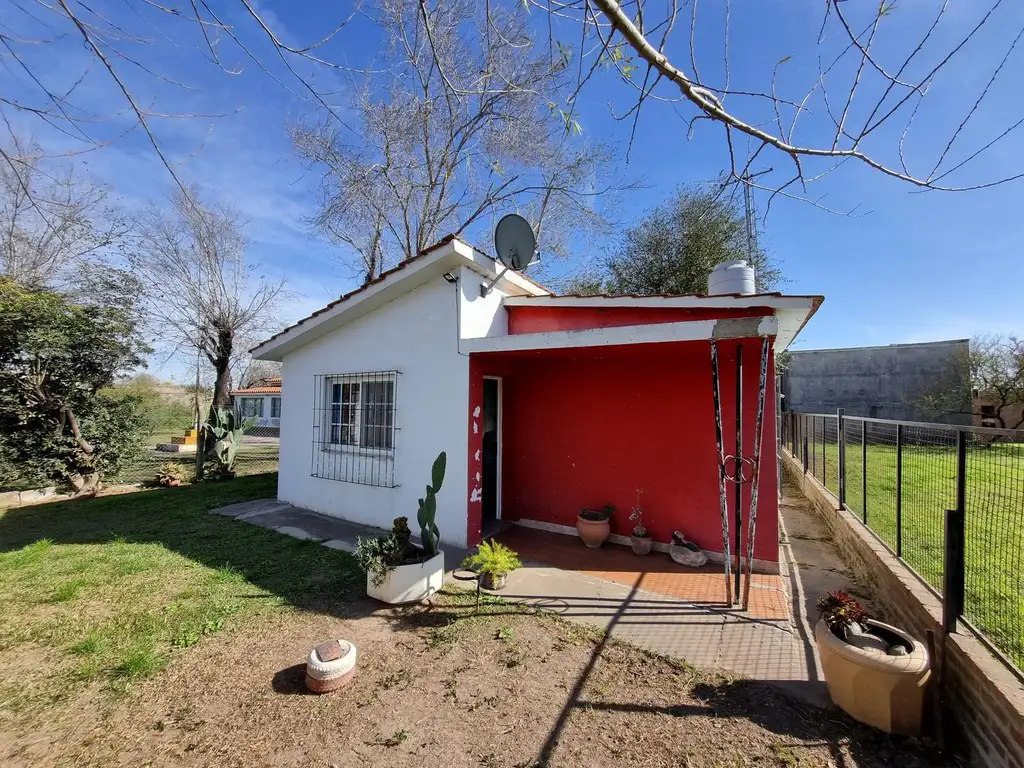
(729, 277)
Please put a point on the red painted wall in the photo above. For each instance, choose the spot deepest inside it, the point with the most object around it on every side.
(546, 319)
(587, 427)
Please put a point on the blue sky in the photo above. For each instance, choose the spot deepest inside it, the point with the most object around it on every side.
(907, 267)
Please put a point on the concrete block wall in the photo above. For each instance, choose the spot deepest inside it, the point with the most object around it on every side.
(977, 703)
(877, 382)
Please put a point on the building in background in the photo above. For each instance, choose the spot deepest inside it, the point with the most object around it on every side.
(878, 382)
(261, 401)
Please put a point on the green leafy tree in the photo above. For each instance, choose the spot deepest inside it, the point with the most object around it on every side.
(57, 354)
(674, 248)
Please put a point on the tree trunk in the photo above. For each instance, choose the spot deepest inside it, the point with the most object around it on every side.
(221, 362)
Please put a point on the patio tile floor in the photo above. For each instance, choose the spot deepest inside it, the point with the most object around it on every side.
(655, 572)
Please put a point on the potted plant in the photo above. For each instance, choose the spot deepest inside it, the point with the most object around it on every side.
(493, 562)
(640, 538)
(875, 672)
(170, 475)
(594, 525)
(397, 570)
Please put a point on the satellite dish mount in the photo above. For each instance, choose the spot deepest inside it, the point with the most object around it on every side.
(515, 245)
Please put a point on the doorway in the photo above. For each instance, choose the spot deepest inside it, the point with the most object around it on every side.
(491, 482)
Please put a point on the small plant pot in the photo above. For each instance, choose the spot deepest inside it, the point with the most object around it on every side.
(173, 483)
(883, 691)
(493, 581)
(641, 544)
(594, 533)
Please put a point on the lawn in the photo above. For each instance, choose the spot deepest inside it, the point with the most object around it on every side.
(140, 630)
(995, 521)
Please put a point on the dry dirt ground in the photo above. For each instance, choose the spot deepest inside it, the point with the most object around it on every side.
(444, 685)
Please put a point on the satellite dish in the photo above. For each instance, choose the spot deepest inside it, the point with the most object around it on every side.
(514, 242)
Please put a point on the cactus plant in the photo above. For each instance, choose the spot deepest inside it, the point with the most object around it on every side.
(429, 535)
(223, 437)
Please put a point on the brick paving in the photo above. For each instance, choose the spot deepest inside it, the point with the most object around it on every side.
(655, 572)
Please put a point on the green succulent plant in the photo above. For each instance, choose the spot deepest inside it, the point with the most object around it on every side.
(430, 536)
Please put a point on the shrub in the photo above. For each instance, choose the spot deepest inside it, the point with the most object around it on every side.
(170, 474)
(379, 556)
(840, 611)
(494, 558)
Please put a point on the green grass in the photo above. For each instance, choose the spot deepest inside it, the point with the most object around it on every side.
(995, 521)
(110, 590)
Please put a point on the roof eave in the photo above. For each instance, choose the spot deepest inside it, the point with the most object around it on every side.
(446, 254)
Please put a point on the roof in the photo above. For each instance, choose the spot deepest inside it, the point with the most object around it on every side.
(257, 391)
(448, 252)
(792, 310)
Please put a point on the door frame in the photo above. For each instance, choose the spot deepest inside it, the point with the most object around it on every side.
(497, 459)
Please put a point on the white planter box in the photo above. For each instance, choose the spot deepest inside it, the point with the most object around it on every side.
(409, 583)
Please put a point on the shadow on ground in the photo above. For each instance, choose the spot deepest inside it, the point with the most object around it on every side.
(314, 578)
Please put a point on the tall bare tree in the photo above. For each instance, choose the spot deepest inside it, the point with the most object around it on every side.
(52, 220)
(461, 125)
(854, 90)
(202, 290)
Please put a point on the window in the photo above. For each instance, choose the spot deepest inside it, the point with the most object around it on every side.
(988, 410)
(362, 412)
(275, 407)
(354, 427)
(252, 406)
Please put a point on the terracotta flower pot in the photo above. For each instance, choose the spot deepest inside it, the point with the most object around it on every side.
(641, 544)
(174, 483)
(593, 532)
(883, 691)
(493, 581)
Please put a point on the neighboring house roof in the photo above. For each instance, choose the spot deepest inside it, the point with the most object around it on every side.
(257, 391)
(447, 253)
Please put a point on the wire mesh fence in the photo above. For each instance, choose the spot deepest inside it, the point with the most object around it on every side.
(900, 478)
(257, 454)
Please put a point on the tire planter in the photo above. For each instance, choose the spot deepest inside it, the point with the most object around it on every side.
(883, 691)
(409, 583)
(330, 666)
(594, 533)
(641, 544)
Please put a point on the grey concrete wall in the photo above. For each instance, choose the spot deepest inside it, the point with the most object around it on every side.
(880, 382)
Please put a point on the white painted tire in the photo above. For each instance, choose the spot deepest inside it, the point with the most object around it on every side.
(329, 670)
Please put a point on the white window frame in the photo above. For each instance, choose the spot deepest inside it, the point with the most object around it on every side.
(355, 424)
(259, 408)
(278, 401)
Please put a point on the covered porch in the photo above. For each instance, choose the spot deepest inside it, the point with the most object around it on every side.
(554, 430)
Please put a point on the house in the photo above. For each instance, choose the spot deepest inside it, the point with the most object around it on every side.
(543, 403)
(262, 402)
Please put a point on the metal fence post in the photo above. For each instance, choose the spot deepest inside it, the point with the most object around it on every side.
(954, 563)
(824, 465)
(899, 490)
(953, 570)
(803, 436)
(961, 471)
(864, 469)
(841, 441)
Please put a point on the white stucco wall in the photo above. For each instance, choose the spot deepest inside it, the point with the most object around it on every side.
(417, 335)
(482, 316)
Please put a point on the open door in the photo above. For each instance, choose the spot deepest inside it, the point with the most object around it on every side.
(491, 484)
